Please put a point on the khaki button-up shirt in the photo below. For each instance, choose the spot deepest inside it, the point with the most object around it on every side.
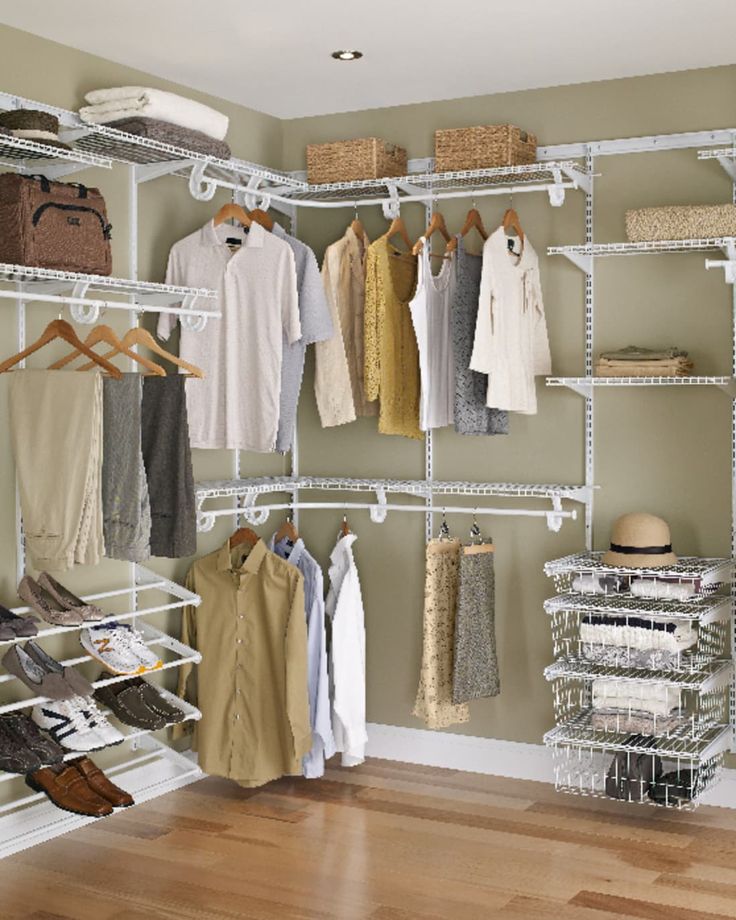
(252, 683)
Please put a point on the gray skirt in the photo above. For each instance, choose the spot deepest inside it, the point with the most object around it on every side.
(475, 672)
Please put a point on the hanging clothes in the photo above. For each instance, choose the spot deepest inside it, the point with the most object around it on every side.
(251, 685)
(339, 382)
(434, 703)
(56, 436)
(125, 502)
(472, 416)
(316, 326)
(391, 354)
(323, 743)
(344, 607)
(475, 665)
(167, 457)
(511, 344)
(431, 315)
(242, 352)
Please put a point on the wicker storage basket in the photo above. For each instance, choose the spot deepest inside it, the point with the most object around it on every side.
(692, 222)
(348, 161)
(484, 147)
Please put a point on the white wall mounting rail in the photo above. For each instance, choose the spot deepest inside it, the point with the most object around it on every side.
(74, 289)
(248, 490)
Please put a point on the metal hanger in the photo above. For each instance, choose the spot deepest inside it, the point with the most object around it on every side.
(444, 532)
(60, 329)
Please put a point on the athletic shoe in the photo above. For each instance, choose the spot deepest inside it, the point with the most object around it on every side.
(68, 725)
(97, 721)
(120, 648)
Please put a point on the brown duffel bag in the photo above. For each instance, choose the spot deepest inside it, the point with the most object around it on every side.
(60, 225)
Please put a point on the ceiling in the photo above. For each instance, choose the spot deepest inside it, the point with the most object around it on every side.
(275, 56)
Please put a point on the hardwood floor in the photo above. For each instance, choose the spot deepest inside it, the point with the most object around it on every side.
(384, 841)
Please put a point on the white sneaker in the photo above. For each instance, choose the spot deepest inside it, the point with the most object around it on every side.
(120, 648)
(99, 723)
(67, 724)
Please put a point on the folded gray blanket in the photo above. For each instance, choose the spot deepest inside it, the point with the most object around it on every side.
(168, 133)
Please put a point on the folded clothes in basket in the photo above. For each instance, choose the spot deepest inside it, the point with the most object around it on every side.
(643, 723)
(621, 656)
(638, 633)
(168, 133)
(600, 584)
(661, 589)
(658, 699)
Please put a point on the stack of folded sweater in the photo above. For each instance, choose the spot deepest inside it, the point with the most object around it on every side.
(160, 116)
(637, 706)
(635, 361)
(635, 641)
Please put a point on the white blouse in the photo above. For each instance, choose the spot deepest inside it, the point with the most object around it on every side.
(431, 313)
(511, 344)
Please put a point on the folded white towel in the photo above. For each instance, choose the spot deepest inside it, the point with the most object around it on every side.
(656, 699)
(622, 633)
(669, 590)
(130, 101)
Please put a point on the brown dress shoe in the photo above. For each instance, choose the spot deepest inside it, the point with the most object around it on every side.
(68, 790)
(100, 784)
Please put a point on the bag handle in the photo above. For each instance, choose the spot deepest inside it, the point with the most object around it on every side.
(46, 185)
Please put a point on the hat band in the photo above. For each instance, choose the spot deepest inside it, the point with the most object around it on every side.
(641, 550)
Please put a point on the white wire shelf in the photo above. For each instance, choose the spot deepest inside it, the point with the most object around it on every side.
(706, 572)
(29, 156)
(583, 385)
(129, 733)
(151, 637)
(699, 742)
(693, 672)
(711, 609)
(47, 285)
(246, 491)
(146, 580)
(645, 247)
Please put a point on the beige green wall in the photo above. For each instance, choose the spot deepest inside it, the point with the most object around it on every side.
(666, 452)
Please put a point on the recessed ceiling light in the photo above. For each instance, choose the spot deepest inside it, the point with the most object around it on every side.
(347, 55)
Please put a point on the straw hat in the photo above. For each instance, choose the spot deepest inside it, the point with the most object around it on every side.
(640, 541)
(42, 127)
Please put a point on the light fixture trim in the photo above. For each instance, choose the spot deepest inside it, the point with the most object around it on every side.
(347, 54)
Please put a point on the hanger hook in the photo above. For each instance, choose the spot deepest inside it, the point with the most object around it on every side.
(473, 202)
(355, 206)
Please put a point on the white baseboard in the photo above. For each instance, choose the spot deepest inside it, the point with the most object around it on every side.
(491, 756)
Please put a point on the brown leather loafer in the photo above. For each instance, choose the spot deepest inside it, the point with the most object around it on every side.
(68, 790)
(100, 784)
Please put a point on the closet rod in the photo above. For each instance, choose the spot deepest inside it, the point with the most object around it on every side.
(105, 304)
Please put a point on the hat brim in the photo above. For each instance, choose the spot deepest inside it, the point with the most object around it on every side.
(635, 561)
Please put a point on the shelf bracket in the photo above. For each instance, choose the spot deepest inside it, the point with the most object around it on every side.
(250, 199)
(83, 314)
(144, 172)
(205, 519)
(252, 515)
(728, 264)
(578, 177)
(188, 321)
(56, 170)
(556, 192)
(729, 164)
(201, 188)
(391, 207)
(581, 260)
(728, 388)
(554, 517)
(378, 512)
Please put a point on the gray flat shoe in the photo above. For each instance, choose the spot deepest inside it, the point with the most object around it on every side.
(44, 603)
(79, 684)
(18, 662)
(68, 601)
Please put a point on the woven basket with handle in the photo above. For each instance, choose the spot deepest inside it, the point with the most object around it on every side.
(483, 147)
(348, 161)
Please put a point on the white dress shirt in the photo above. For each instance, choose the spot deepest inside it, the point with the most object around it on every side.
(344, 606)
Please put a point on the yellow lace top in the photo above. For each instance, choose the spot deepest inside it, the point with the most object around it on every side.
(391, 353)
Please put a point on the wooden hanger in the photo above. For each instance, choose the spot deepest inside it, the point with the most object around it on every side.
(231, 211)
(244, 536)
(60, 329)
(288, 531)
(344, 527)
(357, 227)
(398, 226)
(474, 220)
(140, 336)
(437, 224)
(262, 218)
(511, 222)
(103, 333)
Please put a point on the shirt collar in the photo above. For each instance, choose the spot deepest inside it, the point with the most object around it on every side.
(288, 552)
(251, 564)
(342, 547)
(278, 230)
(253, 239)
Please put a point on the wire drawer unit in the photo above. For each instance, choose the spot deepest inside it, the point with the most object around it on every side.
(642, 678)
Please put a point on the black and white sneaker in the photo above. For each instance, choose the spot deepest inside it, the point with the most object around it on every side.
(69, 724)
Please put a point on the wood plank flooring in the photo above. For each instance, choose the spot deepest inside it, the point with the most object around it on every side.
(384, 841)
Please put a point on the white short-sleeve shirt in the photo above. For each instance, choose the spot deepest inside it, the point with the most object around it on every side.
(236, 406)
